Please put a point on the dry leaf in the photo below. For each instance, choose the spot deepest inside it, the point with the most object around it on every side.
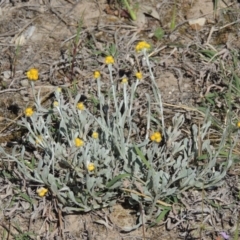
(150, 11)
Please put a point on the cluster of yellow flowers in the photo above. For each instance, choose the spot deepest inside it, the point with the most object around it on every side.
(78, 142)
(80, 106)
(124, 80)
(109, 60)
(91, 167)
(96, 74)
(156, 137)
(29, 112)
(142, 45)
(32, 74)
(139, 75)
(59, 90)
(42, 192)
(55, 103)
(95, 135)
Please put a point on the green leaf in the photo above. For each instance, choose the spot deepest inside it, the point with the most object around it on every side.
(159, 33)
(210, 97)
(6, 174)
(208, 53)
(134, 197)
(52, 183)
(236, 81)
(202, 157)
(142, 157)
(161, 216)
(112, 50)
(45, 174)
(26, 197)
(214, 204)
(115, 179)
(31, 164)
(173, 21)
(210, 101)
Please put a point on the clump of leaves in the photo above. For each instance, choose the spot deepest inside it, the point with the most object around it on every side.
(84, 172)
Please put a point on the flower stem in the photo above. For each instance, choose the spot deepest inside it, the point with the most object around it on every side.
(113, 86)
(155, 90)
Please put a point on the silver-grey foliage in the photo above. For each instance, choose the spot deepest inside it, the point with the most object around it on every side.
(125, 159)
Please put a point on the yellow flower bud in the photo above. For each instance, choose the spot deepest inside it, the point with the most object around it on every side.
(80, 106)
(29, 112)
(91, 167)
(97, 74)
(32, 74)
(55, 103)
(95, 135)
(42, 191)
(124, 80)
(78, 142)
(156, 137)
(142, 45)
(109, 60)
(139, 75)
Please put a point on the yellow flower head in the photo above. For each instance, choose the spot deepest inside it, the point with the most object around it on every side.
(78, 142)
(55, 103)
(95, 135)
(109, 60)
(238, 124)
(29, 112)
(139, 75)
(32, 74)
(80, 106)
(91, 167)
(124, 80)
(42, 192)
(142, 45)
(96, 74)
(59, 89)
(156, 137)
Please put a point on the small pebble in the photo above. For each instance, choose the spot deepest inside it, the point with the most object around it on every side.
(25, 99)
(7, 75)
(23, 92)
(25, 83)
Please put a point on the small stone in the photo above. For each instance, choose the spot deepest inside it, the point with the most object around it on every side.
(7, 74)
(25, 83)
(26, 99)
(197, 24)
(24, 92)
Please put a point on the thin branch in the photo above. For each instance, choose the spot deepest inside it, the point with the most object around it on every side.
(12, 90)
